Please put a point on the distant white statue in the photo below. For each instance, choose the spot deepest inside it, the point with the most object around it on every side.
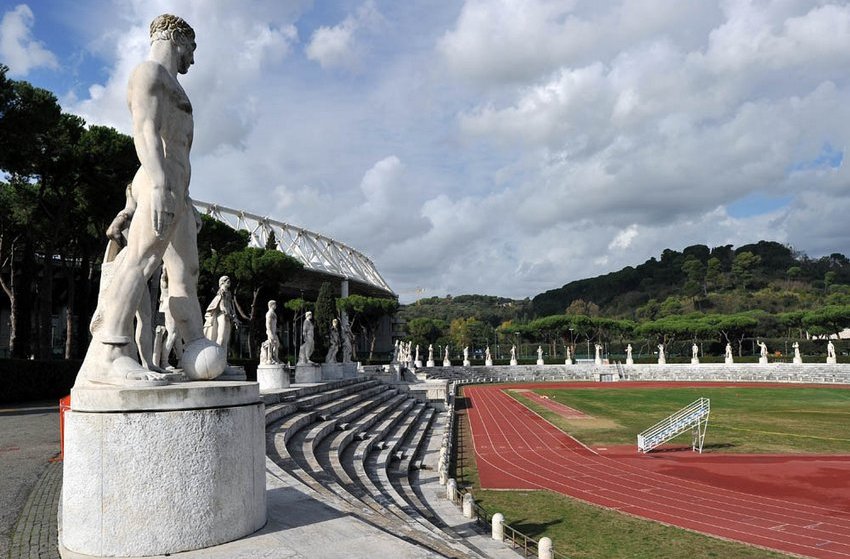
(466, 353)
(797, 357)
(220, 317)
(430, 352)
(694, 354)
(308, 342)
(488, 358)
(347, 340)
(728, 356)
(597, 359)
(629, 360)
(830, 352)
(446, 361)
(661, 359)
(539, 355)
(762, 351)
(395, 356)
(416, 358)
(569, 359)
(513, 355)
(333, 350)
(270, 347)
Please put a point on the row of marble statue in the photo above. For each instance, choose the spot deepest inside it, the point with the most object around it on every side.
(402, 354)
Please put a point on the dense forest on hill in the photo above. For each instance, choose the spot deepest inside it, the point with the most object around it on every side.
(766, 275)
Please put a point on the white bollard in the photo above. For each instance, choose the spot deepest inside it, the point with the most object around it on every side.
(468, 510)
(498, 525)
(544, 549)
(451, 490)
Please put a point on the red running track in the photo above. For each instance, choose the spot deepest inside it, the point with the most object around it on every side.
(517, 449)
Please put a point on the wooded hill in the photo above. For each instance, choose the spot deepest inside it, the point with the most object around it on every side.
(766, 275)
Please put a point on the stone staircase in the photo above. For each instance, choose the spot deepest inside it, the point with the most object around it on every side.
(360, 447)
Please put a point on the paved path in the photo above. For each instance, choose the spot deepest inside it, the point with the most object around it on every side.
(29, 438)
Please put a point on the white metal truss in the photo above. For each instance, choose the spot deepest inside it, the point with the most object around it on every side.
(693, 416)
(315, 251)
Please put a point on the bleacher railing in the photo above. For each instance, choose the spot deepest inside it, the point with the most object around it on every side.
(693, 416)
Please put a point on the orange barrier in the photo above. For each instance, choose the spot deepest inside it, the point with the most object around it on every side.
(64, 405)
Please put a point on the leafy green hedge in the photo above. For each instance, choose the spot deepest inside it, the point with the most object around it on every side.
(22, 380)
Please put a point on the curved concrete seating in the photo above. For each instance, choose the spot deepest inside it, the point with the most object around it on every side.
(352, 444)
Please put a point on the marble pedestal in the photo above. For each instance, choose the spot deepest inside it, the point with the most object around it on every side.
(762, 360)
(831, 360)
(349, 370)
(630, 361)
(467, 363)
(430, 363)
(798, 360)
(308, 373)
(514, 363)
(272, 376)
(540, 362)
(447, 363)
(331, 371)
(728, 361)
(488, 362)
(155, 471)
(233, 372)
(694, 360)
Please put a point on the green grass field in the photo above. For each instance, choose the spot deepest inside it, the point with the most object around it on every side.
(743, 419)
(759, 419)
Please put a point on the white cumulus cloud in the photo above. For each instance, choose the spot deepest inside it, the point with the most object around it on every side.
(18, 49)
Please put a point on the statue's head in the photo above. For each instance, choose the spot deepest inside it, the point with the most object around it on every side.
(272, 305)
(223, 282)
(308, 315)
(335, 323)
(169, 27)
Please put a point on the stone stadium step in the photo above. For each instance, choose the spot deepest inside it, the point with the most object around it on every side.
(433, 495)
(334, 407)
(315, 400)
(284, 402)
(337, 443)
(285, 452)
(399, 472)
(377, 462)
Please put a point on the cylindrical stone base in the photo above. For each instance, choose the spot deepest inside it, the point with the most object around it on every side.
(145, 483)
(272, 377)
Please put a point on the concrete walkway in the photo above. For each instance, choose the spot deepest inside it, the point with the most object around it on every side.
(29, 484)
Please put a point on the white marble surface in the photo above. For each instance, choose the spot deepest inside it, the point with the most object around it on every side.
(272, 376)
(307, 373)
(177, 396)
(148, 483)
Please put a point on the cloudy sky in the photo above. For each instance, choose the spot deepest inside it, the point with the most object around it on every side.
(503, 147)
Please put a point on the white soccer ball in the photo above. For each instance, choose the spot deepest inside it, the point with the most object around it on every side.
(203, 360)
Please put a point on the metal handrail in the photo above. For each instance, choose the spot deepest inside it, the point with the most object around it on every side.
(674, 424)
(698, 405)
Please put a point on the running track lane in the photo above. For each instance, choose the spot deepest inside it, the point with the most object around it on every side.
(517, 449)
